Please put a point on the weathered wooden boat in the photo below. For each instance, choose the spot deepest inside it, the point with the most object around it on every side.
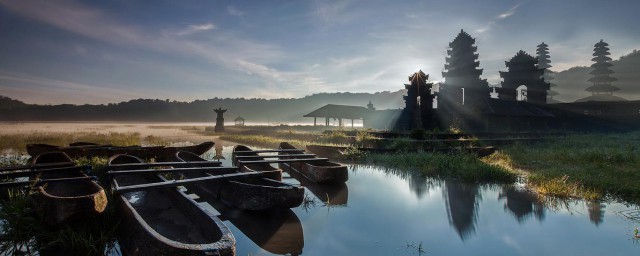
(165, 221)
(242, 150)
(318, 172)
(87, 149)
(83, 150)
(254, 194)
(337, 151)
(328, 193)
(84, 143)
(72, 197)
(199, 149)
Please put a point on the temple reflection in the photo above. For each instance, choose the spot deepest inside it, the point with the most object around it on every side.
(522, 204)
(462, 200)
(419, 183)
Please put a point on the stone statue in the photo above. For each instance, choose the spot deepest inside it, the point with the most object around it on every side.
(219, 119)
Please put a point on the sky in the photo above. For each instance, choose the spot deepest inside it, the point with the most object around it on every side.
(98, 52)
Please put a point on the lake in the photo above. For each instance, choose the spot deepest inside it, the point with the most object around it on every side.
(385, 212)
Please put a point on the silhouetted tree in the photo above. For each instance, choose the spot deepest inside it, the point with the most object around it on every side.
(601, 73)
(543, 62)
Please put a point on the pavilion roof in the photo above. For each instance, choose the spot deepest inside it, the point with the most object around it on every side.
(340, 111)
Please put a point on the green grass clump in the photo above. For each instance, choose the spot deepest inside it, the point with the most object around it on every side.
(463, 167)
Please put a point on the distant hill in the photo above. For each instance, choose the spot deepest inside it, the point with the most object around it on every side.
(9, 103)
(573, 82)
(154, 110)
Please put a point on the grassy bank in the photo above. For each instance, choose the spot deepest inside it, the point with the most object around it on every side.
(464, 167)
(18, 142)
(581, 165)
(23, 230)
(589, 166)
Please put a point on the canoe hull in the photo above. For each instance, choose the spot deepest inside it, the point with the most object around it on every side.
(166, 221)
(251, 194)
(318, 172)
(68, 201)
(328, 172)
(64, 209)
(138, 238)
(261, 194)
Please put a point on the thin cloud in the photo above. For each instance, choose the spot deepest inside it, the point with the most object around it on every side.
(90, 22)
(234, 11)
(494, 22)
(192, 29)
(509, 12)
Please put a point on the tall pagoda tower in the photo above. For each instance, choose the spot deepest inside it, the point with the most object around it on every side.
(543, 62)
(523, 70)
(601, 79)
(463, 85)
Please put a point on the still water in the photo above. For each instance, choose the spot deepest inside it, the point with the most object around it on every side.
(382, 212)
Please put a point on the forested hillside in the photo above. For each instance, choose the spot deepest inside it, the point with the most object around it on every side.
(253, 110)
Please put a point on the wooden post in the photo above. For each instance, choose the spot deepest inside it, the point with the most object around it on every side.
(351, 123)
(340, 122)
(314, 121)
(326, 122)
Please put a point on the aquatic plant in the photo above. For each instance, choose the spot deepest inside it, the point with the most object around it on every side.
(353, 153)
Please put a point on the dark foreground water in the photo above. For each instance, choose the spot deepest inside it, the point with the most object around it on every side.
(382, 212)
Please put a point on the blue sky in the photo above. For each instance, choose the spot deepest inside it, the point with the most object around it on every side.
(97, 52)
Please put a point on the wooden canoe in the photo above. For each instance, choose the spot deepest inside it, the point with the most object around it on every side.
(61, 202)
(249, 194)
(318, 172)
(242, 150)
(86, 149)
(165, 221)
(327, 193)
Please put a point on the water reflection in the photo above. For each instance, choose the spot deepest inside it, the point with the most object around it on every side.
(332, 194)
(277, 231)
(218, 149)
(462, 205)
(522, 203)
(596, 211)
(418, 183)
(447, 217)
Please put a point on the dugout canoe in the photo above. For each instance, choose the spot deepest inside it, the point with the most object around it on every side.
(62, 202)
(242, 150)
(87, 149)
(165, 221)
(255, 194)
(318, 172)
